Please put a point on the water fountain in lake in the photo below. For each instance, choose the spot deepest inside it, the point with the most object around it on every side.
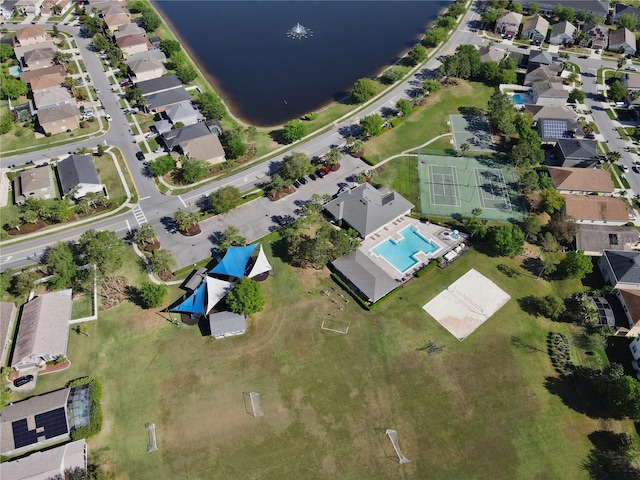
(299, 31)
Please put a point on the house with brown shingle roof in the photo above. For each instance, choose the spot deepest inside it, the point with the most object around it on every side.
(129, 29)
(29, 35)
(535, 28)
(145, 69)
(596, 210)
(57, 70)
(42, 82)
(59, 119)
(34, 182)
(135, 43)
(549, 93)
(581, 180)
(115, 17)
(38, 58)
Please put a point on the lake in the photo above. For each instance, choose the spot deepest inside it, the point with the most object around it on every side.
(265, 76)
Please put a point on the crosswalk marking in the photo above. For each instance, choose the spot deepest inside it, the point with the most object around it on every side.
(139, 215)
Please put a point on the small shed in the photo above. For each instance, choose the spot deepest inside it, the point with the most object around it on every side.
(227, 324)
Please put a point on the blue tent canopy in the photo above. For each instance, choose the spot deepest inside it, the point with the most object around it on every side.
(235, 261)
(194, 303)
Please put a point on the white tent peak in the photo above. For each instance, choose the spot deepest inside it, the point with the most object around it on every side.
(216, 290)
(261, 265)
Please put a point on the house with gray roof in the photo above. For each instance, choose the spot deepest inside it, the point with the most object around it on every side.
(598, 36)
(129, 29)
(50, 97)
(540, 57)
(576, 153)
(158, 102)
(158, 85)
(550, 111)
(195, 141)
(620, 8)
(595, 239)
(38, 58)
(78, 174)
(59, 119)
(367, 209)
(491, 53)
(226, 324)
(183, 112)
(43, 331)
(7, 324)
(47, 464)
(535, 28)
(622, 39)
(551, 129)
(620, 269)
(542, 73)
(562, 33)
(363, 276)
(549, 93)
(145, 69)
(34, 182)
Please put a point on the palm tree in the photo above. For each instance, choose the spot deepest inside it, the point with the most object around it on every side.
(333, 157)
(185, 220)
(145, 234)
(464, 148)
(231, 237)
(355, 146)
(61, 57)
(162, 262)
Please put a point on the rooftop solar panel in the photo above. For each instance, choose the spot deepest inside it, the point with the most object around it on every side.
(54, 422)
(22, 436)
(555, 129)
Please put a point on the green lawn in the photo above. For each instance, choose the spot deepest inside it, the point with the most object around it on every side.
(479, 409)
(428, 121)
(401, 175)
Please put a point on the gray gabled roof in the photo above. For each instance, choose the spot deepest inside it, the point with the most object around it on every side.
(563, 27)
(157, 85)
(51, 463)
(597, 238)
(75, 170)
(624, 265)
(366, 209)
(371, 280)
(178, 112)
(165, 98)
(577, 149)
(222, 323)
(175, 137)
(540, 56)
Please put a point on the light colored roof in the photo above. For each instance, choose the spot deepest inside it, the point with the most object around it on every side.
(371, 280)
(581, 179)
(44, 325)
(145, 65)
(632, 80)
(55, 114)
(367, 209)
(133, 40)
(46, 81)
(129, 29)
(113, 9)
(47, 464)
(622, 35)
(491, 53)
(203, 148)
(261, 264)
(116, 20)
(550, 111)
(53, 69)
(30, 31)
(590, 207)
(222, 323)
(216, 290)
(563, 27)
(546, 72)
(511, 18)
(541, 56)
(34, 179)
(75, 170)
(7, 317)
(51, 96)
(597, 238)
(38, 54)
(537, 22)
(177, 112)
(550, 89)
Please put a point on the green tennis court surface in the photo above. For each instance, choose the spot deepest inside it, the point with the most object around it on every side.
(456, 185)
(474, 130)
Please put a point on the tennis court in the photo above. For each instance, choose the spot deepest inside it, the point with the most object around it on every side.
(455, 186)
(474, 130)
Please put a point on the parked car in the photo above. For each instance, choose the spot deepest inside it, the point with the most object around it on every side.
(325, 170)
(302, 180)
(20, 381)
(108, 117)
(126, 83)
(140, 156)
(624, 168)
(320, 173)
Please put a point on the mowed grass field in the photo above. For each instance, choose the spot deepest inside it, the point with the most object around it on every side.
(479, 409)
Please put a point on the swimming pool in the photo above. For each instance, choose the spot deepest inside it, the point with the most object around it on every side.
(517, 99)
(401, 254)
(15, 71)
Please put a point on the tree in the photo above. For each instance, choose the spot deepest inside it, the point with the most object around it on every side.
(231, 237)
(490, 16)
(145, 234)
(617, 91)
(13, 88)
(534, 8)
(186, 73)
(464, 148)
(502, 113)
(6, 52)
(576, 265)
(133, 94)
(151, 295)
(551, 307)
(434, 36)
(613, 457)
(294, 130)
(185, 220)
(507, 240)
(102, 248)
(390, 76)
(445, 22)
(92, 25)
(211, 105)
(100, 42)
(246, 297)
(552, 200)
(150, 20)
(22, 283)
(294, 166)
(61, 210)
(193, 170)
(233, 145)
(532, 226)
(417, 54)
(404, 107)
(6, 123)
(251, 133)
(355, 146)
(363, 90)
(613, 156)
(371, 125)
(490, 72)
(225, 199)
(61, 264)
(162, 262)
(162, 165)
(516, 7)
(563, 13)
(563, 228)
(475, 226)
(576, 96)
(169, 46)
(628, 21)
(333, 157)
(431, 87)
(581, 16)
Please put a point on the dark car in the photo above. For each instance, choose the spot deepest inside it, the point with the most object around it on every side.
(296, 183)
(302, 180)
(320, 173)
(140, 156)
(312, 176)
(20, 381)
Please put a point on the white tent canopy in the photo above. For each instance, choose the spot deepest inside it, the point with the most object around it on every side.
(216, 290)
(262, 264)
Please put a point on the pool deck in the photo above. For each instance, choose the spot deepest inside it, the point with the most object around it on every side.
(436, 233)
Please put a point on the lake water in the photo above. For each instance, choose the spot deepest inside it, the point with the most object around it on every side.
(267, 78)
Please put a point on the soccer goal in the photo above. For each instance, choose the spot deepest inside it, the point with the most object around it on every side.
(335, 325)
(253, 404)
(152, 446)
(393, 436)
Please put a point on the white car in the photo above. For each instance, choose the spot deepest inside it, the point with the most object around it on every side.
(108, 117)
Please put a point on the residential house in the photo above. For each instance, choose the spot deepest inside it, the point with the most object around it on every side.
(154, 54)
(114, 17)
(634, 346)
(46, 80)
(226, 324)
(52, 70)
(129, 29)
(21, 50)
(551, 129)
(363, 276)
(535, 28)
(632, 82)
(576, 153)
(183, 112)
(598, 36)
(30, 35)
(630, 301)
(6, 9)
(145, 69)
(549, 93)
(541, 73)
(135, 43)
(540, 57)
(38, 58)
(582, 181)
(7, 323)
(195, 141)
(367, 209)
(550, 111)
(159, 102)
(620, 8)
(159, 85)
(622, 39)
(50, 97)
(620, 269)
(78, 174)
(596, 210)
(562, 33)
(48, 464)
(34, 182)
(489, 53)
(29, 7)
(594, 7)
(55, 7)
(595, 239)
(43, 331)
(508, 24)
(62, 118)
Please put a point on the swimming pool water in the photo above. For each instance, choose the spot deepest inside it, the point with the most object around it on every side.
(400, 254)
(517, 99)
(15, 71)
